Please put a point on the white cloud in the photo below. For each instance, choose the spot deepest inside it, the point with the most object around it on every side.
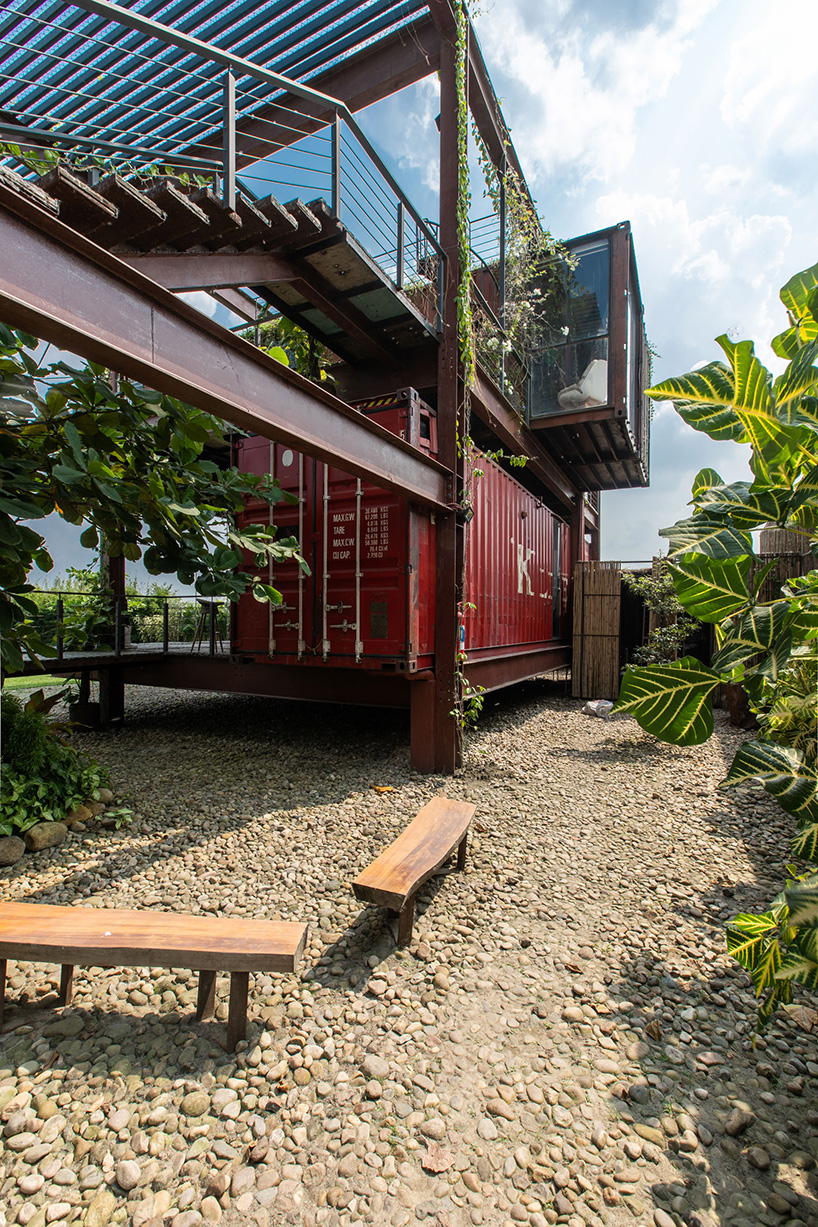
(581, 85)
(413, 142)
(721, 180)
(771, 104)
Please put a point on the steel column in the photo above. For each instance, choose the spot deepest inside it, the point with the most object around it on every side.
(64, 289)
(450, 425)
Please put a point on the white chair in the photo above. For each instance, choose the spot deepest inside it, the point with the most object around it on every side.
(590, 390)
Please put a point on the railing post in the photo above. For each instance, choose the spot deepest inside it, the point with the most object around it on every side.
(229, 141)
(401, 230)
(212, 628)
(336, 165)
(117, 626)
(60, 628)
(165, 627)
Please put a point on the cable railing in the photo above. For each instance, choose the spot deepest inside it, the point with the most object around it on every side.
(89, 622)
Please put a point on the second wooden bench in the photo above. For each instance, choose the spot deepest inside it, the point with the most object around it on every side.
(395, 877)
(114, 937)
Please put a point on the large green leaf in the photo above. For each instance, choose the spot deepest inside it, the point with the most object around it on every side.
(799, 292)
(746, 507)
(704, 399)
(709, 589)
(800, 375)
(753, 634)
(782, 772)
(752, 381)
(746, 934)
(805, 843)
(671, 701)
(802, 901)
(798, 297)
(704, 480)
(798, 965)
(705, 533)
(779, 450)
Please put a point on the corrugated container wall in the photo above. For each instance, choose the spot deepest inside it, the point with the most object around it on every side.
(369, 597)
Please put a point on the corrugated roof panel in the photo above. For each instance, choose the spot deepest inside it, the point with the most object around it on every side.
(63, 66)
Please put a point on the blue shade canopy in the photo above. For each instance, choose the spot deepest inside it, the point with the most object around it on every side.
(62, 67)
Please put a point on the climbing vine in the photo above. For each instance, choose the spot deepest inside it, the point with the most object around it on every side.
(47, 159)
(465, 323)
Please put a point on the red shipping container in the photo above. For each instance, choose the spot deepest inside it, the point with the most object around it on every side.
(369, 600)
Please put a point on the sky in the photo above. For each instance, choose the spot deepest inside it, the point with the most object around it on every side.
(697, 121)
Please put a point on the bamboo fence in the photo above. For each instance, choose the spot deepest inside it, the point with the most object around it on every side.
(597, 596)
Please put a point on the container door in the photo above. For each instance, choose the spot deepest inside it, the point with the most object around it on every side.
(363, 568)
(258, 625)
(291, 624)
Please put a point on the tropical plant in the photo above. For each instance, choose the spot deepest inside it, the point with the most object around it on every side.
(674, 625)
(132, 467)
(43, 776)
(770, 647)
(291, 345)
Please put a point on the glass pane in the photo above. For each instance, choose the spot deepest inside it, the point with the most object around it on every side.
(571, 370)
(588, 298)
(568, 377)
(633, 362)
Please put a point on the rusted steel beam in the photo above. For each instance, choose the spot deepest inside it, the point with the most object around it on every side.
(493, 409)
(577, 417)
(237, 302)
(211, 270)
(226, 675)
(63, 288)
(418, 371)
(494, 672)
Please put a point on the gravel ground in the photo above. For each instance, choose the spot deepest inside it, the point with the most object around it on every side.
(564, 1041)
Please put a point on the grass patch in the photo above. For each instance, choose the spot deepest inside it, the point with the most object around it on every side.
(34, 681)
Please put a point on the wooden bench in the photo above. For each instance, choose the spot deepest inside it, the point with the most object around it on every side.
(113, 937)
(394, 878)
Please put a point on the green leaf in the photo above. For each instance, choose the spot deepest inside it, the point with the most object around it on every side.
(781, 770)
(709, 589)
(798, 967)
(705, 533)
(800, 375)
(754, 633)
(68, 474)
(752, 381)
(195, 429)
(671, 701)
(802, 902)
(90, 538)
(747, 507)
(704, 480)
(805, 843)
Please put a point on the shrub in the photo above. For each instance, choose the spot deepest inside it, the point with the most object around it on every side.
(43, 777)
